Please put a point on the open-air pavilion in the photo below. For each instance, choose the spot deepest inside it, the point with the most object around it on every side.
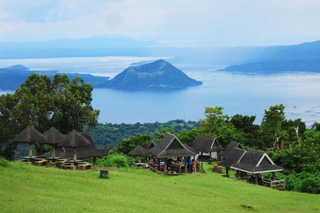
(207, 148)
(233, 144)
(171, 147)
(251, 165)
(82, 152)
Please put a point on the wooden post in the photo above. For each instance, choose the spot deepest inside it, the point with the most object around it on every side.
(165, 165)
(227, 171)
(185, 165)
(30, 150)
(158, 164)
(273, 176)
(237, 174)
(74, 153)
(94, 160)
(256, 179)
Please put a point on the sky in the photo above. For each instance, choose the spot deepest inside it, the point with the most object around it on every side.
(216, 23)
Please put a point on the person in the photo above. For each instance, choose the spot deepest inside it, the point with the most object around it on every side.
(179, 166)
(191, 166)
(188, 163)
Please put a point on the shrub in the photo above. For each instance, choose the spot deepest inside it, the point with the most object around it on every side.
(311, 185)
(114, 160)
(4, 162)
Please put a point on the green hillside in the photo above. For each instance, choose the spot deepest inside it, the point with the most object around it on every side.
(26, 188)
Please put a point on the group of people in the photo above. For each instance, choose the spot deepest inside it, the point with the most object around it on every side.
(174, 165)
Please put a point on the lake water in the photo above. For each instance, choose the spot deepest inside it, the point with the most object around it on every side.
(237, 93)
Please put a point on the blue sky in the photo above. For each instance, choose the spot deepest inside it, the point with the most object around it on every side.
(171, 22)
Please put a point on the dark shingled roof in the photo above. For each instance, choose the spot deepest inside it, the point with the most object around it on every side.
(152, 144)
(53, 136)
(82, 152)
(74, 139)
(206, 144)
(230, 147)
(140, 151)
(30, 135)
(233, 157)
(170, 146)
(256, 162)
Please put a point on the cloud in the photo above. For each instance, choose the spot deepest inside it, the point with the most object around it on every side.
(179, 22)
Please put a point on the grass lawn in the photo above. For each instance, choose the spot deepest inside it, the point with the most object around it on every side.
(27, 188)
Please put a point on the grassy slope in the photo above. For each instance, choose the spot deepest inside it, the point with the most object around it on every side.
(26, 188)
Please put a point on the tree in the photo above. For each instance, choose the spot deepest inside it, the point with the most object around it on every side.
(272, 125)
(217, 125)
(42, 103)
(247, 131)
(129, 144)
(8, 126)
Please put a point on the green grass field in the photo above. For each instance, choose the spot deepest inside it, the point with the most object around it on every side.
(27, 188)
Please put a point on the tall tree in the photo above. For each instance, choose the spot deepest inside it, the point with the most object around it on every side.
(217, 125)
(45, 103)
(272, 125)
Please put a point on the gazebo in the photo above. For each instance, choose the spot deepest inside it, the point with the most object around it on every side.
(152, 144)
(171, 146)
(207, 147)
(232, 158)
(230, 147)
(30, 135)
(53, 137)
(82, 152)
(140, 152)
(251, 165)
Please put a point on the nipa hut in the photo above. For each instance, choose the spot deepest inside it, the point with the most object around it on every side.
(230, 147)
(207, 148)
(171, 147)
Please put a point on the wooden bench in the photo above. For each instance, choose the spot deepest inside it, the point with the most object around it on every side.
(68, 166)
(84, 166)
(40, 162)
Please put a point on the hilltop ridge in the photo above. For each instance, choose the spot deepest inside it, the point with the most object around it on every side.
(156, 75)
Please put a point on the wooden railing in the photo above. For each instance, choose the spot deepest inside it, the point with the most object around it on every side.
(274, 184)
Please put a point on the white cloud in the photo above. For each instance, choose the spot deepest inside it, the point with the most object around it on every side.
(175, 22)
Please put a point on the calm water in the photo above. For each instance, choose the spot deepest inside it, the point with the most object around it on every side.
(237, 93)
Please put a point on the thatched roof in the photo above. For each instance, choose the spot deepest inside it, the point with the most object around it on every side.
(233, 157)
(53, 136)
(230, 147)
(171, 146)
(140, 151)
(74, 139)
(30, 135)
(256, 162)
(82, 152)
(206, 144)
(152, 144)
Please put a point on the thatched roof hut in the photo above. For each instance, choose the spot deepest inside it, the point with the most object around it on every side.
(140, 151)
(171, 146)
(230, 147)
(82, 152)
(256, 162)
(152, 144)
(30, 135)
(208, 145)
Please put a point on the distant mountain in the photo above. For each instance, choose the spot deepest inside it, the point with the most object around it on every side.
(277, 66)
(12, 77)
(156, 75)
(101, 45)
(303, 57)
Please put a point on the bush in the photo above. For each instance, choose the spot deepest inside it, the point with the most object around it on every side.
(4, 162)
(311, 185)
(114, 160)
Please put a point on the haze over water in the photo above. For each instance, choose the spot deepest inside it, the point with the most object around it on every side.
(237, 93)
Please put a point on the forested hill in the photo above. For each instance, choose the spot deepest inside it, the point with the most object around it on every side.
(303, 57)
(156, 75)
(106, 136)
(12, 77)
(272, 67)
